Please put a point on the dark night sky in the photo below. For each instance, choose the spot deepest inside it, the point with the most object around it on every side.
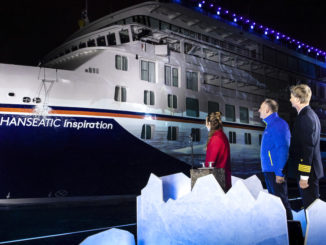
(29, 29)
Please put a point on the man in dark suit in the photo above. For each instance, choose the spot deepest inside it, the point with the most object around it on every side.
(304, 162)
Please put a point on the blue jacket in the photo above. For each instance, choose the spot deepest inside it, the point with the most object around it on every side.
(275, 144)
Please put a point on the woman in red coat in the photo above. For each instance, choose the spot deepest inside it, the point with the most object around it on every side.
(218, 147)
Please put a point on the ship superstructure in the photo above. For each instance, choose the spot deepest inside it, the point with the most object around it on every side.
(128, 94)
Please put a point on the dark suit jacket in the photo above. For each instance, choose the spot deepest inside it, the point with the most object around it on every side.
(304, 153)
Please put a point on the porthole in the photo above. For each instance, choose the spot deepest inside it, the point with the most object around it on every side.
(37, 100)
(82, 45)
(26, 99)
(11, 94)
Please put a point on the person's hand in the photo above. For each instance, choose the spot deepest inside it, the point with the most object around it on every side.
(303, 184)
(279, 179)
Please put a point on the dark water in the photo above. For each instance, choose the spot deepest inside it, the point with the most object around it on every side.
(35, 221)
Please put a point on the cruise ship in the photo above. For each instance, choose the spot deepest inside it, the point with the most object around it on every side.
(127, 95)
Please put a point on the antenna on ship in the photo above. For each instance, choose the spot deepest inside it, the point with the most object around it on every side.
(83, 21)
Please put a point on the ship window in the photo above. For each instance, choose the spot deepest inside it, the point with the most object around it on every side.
(120, 94)
(247, 139)
(260, 138)
(192, 107)
(244, 115)
(37, 100)
(195, 134)
(148, 71)
(74, 48)
(164, 26)
(171, 77)
(128, 20)
(124, 36)
(229, 113)
(232, 137)
(146, 132)
(172, 101)
(175, 28)
(26, 99)
(175, 77)
(101, 41)
(111, 39)
(192, 80)
(167, 75)
(154, 23)
(82, 45)
(11, 94)
(91, 43)
(213, 107)
(121, 63)
(149, 98)
(172, 133)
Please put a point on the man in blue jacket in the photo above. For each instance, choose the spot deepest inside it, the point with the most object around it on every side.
(274, 152)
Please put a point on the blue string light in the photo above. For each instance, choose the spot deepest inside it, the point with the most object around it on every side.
(260, 28)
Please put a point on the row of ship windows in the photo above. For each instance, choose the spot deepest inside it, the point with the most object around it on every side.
(27, 99)
(171, 74)
(101, 41)
(172, 134)
(192, 105)
(308, 68)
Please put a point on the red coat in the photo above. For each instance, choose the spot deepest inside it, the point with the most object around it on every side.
(218, 151)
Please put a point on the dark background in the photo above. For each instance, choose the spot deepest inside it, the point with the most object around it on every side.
(29, 29)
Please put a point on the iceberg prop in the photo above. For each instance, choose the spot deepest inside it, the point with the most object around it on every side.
(110, 237)
(316, 223)
(206, 215)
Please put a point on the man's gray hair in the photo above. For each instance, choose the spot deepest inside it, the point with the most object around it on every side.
(272, 104)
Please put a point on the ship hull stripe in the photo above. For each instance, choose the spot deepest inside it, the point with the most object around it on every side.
(122, 114)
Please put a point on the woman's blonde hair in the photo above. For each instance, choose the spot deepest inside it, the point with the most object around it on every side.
(215, 120)
(302, 92)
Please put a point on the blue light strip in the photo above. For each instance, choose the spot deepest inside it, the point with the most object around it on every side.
(267, 32)
(64, 234)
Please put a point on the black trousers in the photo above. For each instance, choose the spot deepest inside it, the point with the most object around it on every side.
(311, 193)
(280, 190)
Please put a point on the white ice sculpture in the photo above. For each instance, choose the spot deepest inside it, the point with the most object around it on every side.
(316, 223)
(110, 237)
(175, 186)
(207, 215)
